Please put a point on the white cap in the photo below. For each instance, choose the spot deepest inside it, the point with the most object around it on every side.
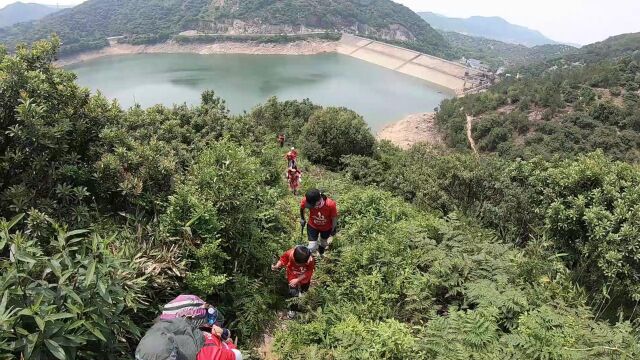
(292, 148)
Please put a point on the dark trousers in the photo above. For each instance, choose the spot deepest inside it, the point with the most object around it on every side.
(295, 292)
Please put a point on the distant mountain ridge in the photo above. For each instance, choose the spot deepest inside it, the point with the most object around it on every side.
(495, 28)
(21, 12)
(87, 25)
(496, 54)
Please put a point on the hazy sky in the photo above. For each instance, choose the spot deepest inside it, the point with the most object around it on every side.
(576, 21)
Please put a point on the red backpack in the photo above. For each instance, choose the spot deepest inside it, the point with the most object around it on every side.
(215, 349)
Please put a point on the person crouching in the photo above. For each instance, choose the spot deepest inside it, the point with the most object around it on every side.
(300, 266)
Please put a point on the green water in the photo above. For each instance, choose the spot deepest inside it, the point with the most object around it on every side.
(378, 94)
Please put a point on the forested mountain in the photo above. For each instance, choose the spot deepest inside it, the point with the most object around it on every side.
(21, 12)
(495, 28)
(87, 25)
(586, 100)
(107, 213)
(497, 53)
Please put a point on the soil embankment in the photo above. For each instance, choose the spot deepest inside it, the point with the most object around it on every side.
(413, 129)
(306, 47)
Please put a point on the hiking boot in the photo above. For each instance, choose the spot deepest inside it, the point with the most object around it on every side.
(291, 314)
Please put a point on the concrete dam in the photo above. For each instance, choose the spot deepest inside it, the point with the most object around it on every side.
(453, 76)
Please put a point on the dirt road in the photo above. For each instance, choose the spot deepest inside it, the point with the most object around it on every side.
(470, 135)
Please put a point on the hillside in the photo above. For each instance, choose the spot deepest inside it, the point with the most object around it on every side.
(495, 28)
(586, 100)
(107, 213)
(87, 25)
(497, 53)
(21, 12)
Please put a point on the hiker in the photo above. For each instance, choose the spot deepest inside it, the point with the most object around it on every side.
(281, 139)
(323, 219)
(300, 266)
(294, 178)
(187, 329)
(292, 157)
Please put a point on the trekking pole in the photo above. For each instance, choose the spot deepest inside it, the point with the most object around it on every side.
(301, 233)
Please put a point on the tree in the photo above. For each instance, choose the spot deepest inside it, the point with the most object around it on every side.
(335, 132)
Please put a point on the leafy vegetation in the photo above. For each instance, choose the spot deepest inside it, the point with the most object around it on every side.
(108, 213)
(498, 54)
(333, 133)
(86, 27)
(585, 208)
(380, 19)
(576, 104)
(400, 283)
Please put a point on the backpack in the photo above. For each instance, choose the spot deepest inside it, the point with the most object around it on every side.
(215, 349)
(176, 339)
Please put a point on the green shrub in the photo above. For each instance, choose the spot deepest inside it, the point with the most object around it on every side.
(332, 133)
(223, 209)
(66, 294)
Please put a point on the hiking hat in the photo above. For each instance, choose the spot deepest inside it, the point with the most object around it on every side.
(312, 196)
(186, 306)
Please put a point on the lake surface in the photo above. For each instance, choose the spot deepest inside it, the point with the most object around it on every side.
(244, 81)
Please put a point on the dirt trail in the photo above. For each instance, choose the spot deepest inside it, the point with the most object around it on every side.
(469, 134)
(413, 129)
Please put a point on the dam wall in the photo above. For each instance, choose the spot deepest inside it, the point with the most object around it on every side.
(453, 76)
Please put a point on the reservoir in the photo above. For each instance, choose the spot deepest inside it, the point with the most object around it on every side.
(378, 94)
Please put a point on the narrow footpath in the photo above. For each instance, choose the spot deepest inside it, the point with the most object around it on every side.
(472, 142)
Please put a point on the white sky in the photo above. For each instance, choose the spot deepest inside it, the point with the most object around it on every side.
(575, 21)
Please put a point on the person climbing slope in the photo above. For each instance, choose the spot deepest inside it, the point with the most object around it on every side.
(292, 157)
(323, 219)
(294, 178)
(281, 140)
(300, 266)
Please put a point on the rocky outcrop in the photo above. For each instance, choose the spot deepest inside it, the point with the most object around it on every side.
(393, 32)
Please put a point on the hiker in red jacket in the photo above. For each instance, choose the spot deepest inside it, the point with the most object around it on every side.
(292, 157)
(323, 219)
(300, 266)
(294, 178)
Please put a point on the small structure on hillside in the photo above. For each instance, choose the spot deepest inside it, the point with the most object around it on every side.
(476, 64)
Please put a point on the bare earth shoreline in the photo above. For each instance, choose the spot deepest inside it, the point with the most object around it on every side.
(413, 129)
(310, 47)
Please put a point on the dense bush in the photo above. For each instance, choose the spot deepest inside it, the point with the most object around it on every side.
(586, 207)
(400, 284)
(66, 294)
(148, 175)
(562, 107)
(335, 132)
(463, 257)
